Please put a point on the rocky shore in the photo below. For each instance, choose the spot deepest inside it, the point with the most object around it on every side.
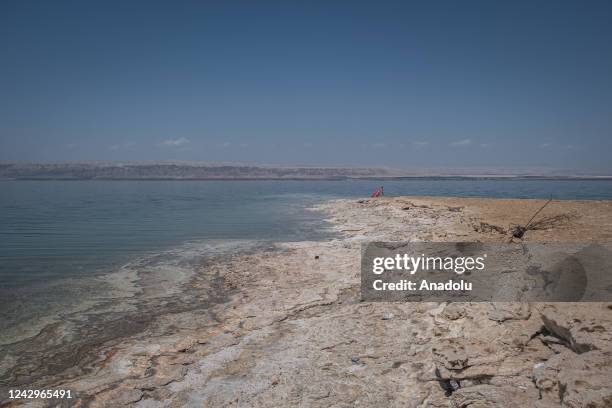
(285, 327)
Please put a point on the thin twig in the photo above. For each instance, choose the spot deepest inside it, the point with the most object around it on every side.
(537, 212)
(519, 231)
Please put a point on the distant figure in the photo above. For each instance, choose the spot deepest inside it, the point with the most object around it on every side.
(379, 192)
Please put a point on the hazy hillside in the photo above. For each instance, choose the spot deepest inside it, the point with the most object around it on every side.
(86, 171)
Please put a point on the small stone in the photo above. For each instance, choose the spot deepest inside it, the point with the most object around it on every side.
(355, 360)
(387, 316)
(316, 256)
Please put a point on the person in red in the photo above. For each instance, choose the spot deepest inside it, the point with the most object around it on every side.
(379, 192)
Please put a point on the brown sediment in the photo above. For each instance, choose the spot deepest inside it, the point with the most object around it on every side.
(292, 331)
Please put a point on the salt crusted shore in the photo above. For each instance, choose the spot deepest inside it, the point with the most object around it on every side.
(286, 328)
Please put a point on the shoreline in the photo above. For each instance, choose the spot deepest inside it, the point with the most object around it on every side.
(288, 327)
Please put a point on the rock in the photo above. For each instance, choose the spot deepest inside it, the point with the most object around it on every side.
(387, 316)
(485, 396)
(454, 311)
(581, 326)
(466, 358)
(122, 396)
(576, 380)
(509, 311)
(180, 345)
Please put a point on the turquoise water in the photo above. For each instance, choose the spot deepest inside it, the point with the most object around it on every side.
(55, 229)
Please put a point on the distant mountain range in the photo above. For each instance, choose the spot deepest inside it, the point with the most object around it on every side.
(197, 171)
(171, 171)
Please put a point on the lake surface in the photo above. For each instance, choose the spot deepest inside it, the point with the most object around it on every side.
(56, 229)
(79, 254)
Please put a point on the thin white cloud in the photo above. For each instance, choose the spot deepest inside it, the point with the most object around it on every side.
(175, 142)
(379, 145)
(546, 145)
(464, 142)
(420, 143)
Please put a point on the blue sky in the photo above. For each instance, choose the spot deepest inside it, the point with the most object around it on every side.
(405, 84)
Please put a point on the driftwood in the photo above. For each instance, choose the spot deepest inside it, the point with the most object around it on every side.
(544, 223)
(519, 230)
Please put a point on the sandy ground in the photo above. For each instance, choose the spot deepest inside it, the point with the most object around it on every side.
(290, 330)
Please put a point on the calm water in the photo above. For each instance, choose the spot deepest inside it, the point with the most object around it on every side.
(78, 254)
(53, 229)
